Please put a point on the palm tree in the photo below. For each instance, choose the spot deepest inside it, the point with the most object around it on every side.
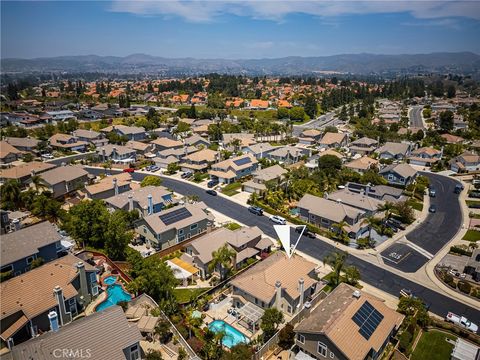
(222, 259)
(11, 194)
(372, 223)
(341, 232)
(387, 207)
(473, 245)
(336, 261)
(38, 183)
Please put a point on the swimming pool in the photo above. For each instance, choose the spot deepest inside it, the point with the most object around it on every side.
(115, 294)
(232, 336)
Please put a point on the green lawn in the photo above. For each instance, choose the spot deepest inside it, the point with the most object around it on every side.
(416, 205)
(232, 226)
(185, 295)
(231, 189)
(473, 203)
(433, 346)
(472, 235)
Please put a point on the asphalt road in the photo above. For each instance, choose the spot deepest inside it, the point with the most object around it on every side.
(416, 116)
(374, 275)
(434, 232)
(319, 123)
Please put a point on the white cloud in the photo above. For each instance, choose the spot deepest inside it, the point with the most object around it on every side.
(205, 11)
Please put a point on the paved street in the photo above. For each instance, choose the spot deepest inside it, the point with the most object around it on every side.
(415, 116)
(374, 275)
(319, 123)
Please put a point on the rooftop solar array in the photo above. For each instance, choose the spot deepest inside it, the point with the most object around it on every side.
(175, 216)
(367, 318)
(242, 161)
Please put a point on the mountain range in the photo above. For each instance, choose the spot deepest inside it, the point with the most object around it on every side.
(459, 62)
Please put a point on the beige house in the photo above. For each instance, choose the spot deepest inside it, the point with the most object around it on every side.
(270, 176)
(362, 164)
(349, 324)
(233, 169)
(278, 281)
(333, 140)
(109, 186)
(64, 180)
(24, 172)
(199, 160)
(363, 146)
(8, 153)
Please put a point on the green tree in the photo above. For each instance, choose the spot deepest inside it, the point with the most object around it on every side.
(47, 208)
(162, 330)
(212, 348)
(387, 207)
(38, 183)
(451, 91)
(172, 168)
(117, 237)
(336, 261)
(222, 259)
(405, 212)
(238, 352)
(151, 180)
(352, 275)
(182, 354)
(271, 319)
(330, 164)
(296, 113)
(282, 113)
(36, 263)
(153, 355)
(10, 194)
(311, 106)
(286, 338)
(28, 157)
(446, 120)
(182, 127)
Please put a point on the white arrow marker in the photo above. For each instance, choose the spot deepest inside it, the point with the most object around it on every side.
(283, 233)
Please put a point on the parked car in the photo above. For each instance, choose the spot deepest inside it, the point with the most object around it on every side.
(306, 232)
(278, 220)
(459, 188)
(255, 210)
(461, 321)
(212, 183)
(211, 192)
(432, 208)
(154, 168)
(47, 156)
(432, 192)
(391, 226)
(186, 174)
(396, 223)
(129, 170)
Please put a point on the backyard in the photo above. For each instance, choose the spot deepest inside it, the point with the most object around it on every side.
(186, 295)
(433, 346)
(472, 235)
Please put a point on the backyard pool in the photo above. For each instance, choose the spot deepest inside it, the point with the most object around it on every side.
(115, 294)
(232, 336)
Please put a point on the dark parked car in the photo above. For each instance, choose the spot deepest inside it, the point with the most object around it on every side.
(459, 188)
(211, 192)
(398, 224)
(186, 174)
(255, 210)
(432, 209)
(212, 183)
(306, 233)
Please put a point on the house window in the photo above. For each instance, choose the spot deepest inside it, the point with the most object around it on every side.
(289, 309)
(332, 355)
(322, 349)
(301, 339)
(30, 259)
(193, 226)
(93, 278)
(7, 268)
(312, 217)
(144, 229)
(325, 221)
(180, 232)
(134, 352)
(391, 177)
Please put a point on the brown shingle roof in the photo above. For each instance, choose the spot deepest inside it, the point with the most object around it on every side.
(62, 173)
(24, 170)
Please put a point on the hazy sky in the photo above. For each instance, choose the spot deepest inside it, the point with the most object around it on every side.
(237, 29)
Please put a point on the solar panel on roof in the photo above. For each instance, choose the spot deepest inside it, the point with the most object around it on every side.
(242, 161)
(175, 216)
(367, 318)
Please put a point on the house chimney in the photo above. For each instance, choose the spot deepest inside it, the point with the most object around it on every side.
(58, 293)
(64, 163)
(356, 294)
(130, 202)
(150, 204)
(115, 186)
(301, 289)
(104, 155)
(83, 281)
(53, 318)
(278, 295)
(33, 173)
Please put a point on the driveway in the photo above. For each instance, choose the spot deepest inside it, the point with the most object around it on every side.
(376, 276)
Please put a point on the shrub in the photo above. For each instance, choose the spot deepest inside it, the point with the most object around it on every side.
(448, 279)
(460, 251)
(405, 340)
(464, 287)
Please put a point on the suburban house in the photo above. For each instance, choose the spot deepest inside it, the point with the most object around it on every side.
(67, 142)
(23, 172)
(278, 281)
(333, 140)
(325, 213)
(270, 176)
(425, 156)
(259, 150)
(163, 163)
(310, 137)
(199, 160)
(245, 139)
(131, 132)
(453, 139)
(93, 332)
(61, 115)
(8, 153)
(20, 248)
(174, 225)
(257, 104)
(163, 143)
(399, 174)
(64, 180)
(117, 154)
(363, 146)
(147, 200)
(380, 192)
(64, 286)
(140, 147)
(231, 170)
(465, 162)
(109, 186)
(472, 267)
(95, 138)
(23, 144)
(393, 150)
(197, 141)
(348, 324)
(362, 202)
(288, 154)
(246, 242)
(178, 153)
(362, 165)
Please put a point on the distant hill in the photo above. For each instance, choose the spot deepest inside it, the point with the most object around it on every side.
(461, 62)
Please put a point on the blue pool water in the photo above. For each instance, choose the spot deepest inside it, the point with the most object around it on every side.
(115, 294)
(232, 336)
